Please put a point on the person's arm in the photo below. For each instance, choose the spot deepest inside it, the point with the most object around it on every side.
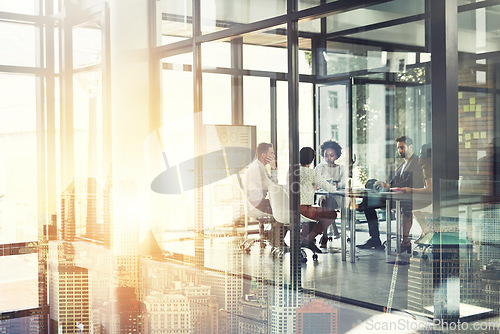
(342, 179)
(323, 183)
(426, 189)
(274, 176)
(274, 173)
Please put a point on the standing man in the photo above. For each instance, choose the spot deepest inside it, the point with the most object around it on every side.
(408, 174)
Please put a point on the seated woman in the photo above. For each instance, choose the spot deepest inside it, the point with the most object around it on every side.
(334, 174)
(309, 181)
(424, 162)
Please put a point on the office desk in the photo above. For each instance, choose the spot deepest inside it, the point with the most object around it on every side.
(348, 215)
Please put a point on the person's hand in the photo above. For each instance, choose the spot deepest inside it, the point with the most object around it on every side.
(382, 183)
(406, 190)
(272, 162)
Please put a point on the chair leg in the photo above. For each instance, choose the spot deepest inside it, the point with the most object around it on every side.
(265, 239)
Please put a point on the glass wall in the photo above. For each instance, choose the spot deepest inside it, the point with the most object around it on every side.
(128, 187)
(23, 287)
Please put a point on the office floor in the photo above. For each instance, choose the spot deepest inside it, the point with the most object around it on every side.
(329, 275)
(363, 287)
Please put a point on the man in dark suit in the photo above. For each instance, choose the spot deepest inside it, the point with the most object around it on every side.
(408, 174)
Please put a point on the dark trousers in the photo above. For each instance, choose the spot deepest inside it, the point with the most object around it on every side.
(372, 219)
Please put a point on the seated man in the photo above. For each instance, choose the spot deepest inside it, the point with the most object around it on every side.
(408, 174)
(258, 178)
(257, 181)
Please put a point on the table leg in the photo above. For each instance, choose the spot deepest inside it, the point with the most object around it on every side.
(343, 237)
(398, 227)
(468, 215)
(352, 227)
(388, 221)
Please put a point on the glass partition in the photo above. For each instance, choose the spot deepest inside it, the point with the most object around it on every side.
(168, 237)
(376, 14)
(477, 101)
(224, 14)
(456, 257)
(21, 7)
(170, 146)
(18, 202)
(174, 21)
(18, 42)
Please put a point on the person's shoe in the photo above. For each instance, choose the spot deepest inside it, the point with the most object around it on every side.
(323, 242)
(371, 243)
(405, 247)
(310, 245)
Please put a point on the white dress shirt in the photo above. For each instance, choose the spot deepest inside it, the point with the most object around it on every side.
(336, 174)
(257, 180)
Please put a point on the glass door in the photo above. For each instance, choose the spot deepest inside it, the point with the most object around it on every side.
(383, 112)
(333, 117)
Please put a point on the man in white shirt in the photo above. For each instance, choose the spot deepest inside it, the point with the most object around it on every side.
(258, 178)
(257, 182)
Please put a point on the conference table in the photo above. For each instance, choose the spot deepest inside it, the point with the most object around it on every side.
(348, 214)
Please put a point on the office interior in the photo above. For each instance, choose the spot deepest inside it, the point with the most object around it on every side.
(100, 99)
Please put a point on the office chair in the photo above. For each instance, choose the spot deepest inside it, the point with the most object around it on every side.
(254, 216)
(280, 204)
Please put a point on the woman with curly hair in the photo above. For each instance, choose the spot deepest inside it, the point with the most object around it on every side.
(334, 174)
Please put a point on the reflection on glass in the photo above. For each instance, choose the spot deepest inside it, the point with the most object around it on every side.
(18, 202)
(374, 14)
(220, 15)
(175, 216)
(87, 45)
(256, 106)
(478, 137)
(304, 4)
(333, 114)
(370, 108)
(216, 88)
(18, 282)
(412, 34)
(265, 51)
(21, 6)
(175, 21)
(18, 44)
(187, 255)
(477, 31)
(216, 55)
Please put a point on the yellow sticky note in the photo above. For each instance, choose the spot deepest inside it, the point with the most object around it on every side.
(476, 135)
(467, 136)
(483, 135)
(472, 100)
(466, 108)
(460, 139)
(460, 95)
(478, 114)
(472, 107)
(467, 144)
(478, 107)
(460, 131)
